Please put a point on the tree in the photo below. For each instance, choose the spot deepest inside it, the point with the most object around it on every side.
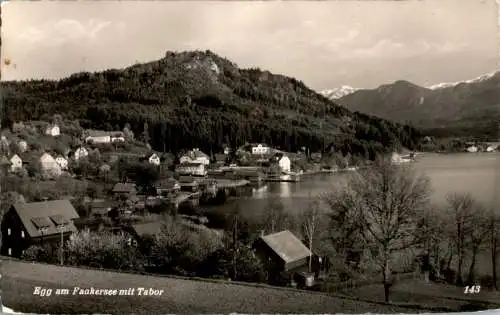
(494, 243)
(310, 221)
(275, 218)
(387, 200)
(145, 133)
(478, 235)
(460, 209)
(429, 236)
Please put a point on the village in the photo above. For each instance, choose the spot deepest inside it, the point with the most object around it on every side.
(59, 178)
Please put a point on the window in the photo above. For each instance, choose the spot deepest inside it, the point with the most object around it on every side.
(8, 231)
(22, 234)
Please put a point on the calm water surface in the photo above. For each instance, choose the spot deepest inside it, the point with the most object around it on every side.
(478, 174)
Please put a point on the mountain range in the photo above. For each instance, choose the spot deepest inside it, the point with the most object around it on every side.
(199, 99)
(468, 107)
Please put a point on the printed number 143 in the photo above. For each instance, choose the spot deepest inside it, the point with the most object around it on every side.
(472, 289)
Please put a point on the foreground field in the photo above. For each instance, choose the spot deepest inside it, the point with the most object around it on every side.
(180, 296)
(432, 295)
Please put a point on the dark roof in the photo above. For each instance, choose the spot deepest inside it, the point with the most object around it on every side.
(124, 187)
(102, 133)
(286, 245)
(220, 157)
(167, 183)
(46, 215)
(189, 164)
(148, 228)
(4, 160)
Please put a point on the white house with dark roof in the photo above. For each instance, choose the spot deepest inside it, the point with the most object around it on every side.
(154, 159)
(53, 130)
(25, 224)
(101, 136)
(50, 165)
(62, 162)
(16, 163)
(80, 152)
(195, 156)
(260, 149)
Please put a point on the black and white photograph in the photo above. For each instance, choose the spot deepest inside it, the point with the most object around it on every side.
(255, 157)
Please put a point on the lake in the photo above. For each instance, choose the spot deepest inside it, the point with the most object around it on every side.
(477, 173)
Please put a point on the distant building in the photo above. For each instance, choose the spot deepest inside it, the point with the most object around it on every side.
(154, 159)
(26, 224)
(49, 165)
(62, 162)
(260, 149)
(472, 149)
(220, 159)
(100, 136)
(79, 153)
(195, 169)
(195, 156)
(141, 230)
(124, 189)
(167, 186)
(16, 163)
(283, 161)
(491, 148)
(53, 130)
(23, 146)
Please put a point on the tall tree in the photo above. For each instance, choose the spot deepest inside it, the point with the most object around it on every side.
(461, 212)
(310, 221)
(387, 200)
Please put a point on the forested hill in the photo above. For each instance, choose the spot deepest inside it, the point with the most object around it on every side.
(200, 99)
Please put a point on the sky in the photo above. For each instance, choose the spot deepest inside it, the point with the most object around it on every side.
(325, 44)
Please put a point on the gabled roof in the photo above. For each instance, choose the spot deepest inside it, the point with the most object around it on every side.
(4, 160)
(46, 215)
(286, 245)
(124, 187)
(148, 228)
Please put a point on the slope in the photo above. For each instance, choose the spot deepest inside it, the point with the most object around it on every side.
(201, 99)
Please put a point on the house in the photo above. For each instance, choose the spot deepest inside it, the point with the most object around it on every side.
(220, 159)
(16, 163)
(260, 149)
(124, 190)
(195, 156)
(154, 159)
(105, 168)
(62, 162)
(25, 224)
(492, 148)
(188, 183)
(23, 146)
(79, 153)
(49, 165)
(167, 186)
(283, 255)
(53, 130)
(100, 136)
(138, 232)
(396, 158)
(316, 157)
(283, 162)
(100, 207)
(472, 149)
(195, 169)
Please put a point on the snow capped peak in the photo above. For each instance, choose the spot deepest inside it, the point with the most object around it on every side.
(475, 80)
(338, 92)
